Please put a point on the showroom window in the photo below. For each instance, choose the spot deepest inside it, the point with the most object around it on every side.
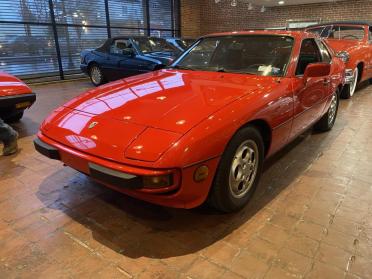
(44, 38)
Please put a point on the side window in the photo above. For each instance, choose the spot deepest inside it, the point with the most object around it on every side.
(370, 34)
(121, 47)
(309, 54)
(326, 56)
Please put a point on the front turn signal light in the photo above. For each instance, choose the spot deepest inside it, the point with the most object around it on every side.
(201, 173)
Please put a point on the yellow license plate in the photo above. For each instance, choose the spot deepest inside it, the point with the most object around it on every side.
(23, 105)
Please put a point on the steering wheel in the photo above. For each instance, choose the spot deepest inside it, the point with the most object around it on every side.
(351, 36)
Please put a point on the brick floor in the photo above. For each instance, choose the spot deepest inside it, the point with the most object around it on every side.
(311, 216)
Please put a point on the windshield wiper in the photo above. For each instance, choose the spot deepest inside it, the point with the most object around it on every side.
(178, 67)
(222, 70)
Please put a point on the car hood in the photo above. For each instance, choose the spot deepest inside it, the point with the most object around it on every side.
(140, 117)
(10, 85)
(167, 99)
(343, 45)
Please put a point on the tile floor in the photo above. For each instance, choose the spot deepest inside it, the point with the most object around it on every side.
(311, 216)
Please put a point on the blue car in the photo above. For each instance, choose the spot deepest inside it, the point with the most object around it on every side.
(126, 56)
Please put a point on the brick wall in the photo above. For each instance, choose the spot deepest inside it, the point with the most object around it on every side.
(204, 16)
(190, 18)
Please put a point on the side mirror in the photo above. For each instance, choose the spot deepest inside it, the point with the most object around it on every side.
(317, 70)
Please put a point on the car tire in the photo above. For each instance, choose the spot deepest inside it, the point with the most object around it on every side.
(327, 122)
(370, 81)
(349, 89)
(15, 117)
(96, 75)
(239, 171)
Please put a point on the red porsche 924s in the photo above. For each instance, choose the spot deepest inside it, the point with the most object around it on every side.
(200, 129)
(15, 97)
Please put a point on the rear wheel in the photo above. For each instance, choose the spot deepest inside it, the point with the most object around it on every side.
(328, 120)
(239, 171)
(96, 75)
(349, 89)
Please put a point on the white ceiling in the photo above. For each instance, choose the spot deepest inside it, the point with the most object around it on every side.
(269, 3)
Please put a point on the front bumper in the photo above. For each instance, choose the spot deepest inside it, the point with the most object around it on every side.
(99, 172)
(184, 193)
(17, 102)
(349, 76)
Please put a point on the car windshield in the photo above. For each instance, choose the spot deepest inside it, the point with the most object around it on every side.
(263, 55)
(182, 43)
(148, 45)
(340, 32)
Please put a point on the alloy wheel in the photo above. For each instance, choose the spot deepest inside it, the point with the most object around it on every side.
(96, 75)
(332, 109)
(243, 169)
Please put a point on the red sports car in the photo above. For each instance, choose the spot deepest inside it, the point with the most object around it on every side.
(15, 97)
(201, 128)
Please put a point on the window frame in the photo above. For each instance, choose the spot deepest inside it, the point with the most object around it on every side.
(196, 43)
(322, 43)
(298, 60)
(113, 42)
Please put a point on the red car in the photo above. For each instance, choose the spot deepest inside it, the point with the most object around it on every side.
(15, 97)
(201, 128)
(352, 42)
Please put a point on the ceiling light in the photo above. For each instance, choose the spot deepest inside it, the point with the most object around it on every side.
(217, 1)
(281, 2)
(263, 9)
(234, 3)
(250, 7)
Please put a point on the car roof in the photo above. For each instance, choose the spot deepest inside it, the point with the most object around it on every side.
(368, 23)
(290, 33)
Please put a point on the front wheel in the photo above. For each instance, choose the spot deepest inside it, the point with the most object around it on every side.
(349, 89)
(96, 75)
(328, 120)
(239, 171)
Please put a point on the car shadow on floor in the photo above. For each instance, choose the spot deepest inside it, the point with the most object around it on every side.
(25, 127)
(136, 229)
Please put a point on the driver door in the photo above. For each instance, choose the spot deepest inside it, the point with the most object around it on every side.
(309, 95)
(121, 59)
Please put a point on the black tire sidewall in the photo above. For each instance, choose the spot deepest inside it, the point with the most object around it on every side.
(345, 93)
(221, 196)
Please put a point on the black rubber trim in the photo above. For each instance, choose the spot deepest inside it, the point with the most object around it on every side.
(11, 101)
(114, 177)
(46, 149)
